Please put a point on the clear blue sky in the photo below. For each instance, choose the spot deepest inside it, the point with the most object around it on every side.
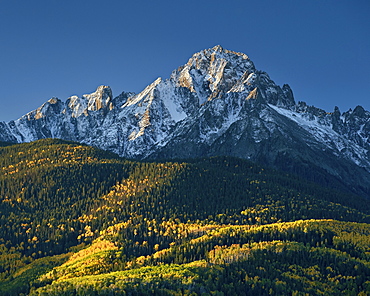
(321, 48)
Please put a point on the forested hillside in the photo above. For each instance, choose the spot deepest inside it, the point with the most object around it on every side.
(76, 220)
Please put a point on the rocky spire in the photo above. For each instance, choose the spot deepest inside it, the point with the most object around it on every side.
(100, 99)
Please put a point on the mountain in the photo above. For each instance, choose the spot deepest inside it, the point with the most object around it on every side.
(218, 103)
(77, 220)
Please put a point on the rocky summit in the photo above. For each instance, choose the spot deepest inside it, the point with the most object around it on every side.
(218, 103)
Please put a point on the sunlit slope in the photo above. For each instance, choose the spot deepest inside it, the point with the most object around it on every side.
(317, 257)
(60, 197)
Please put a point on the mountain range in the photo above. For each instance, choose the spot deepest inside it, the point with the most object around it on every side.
(218, 103)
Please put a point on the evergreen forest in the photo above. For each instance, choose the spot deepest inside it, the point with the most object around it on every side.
(76, 220)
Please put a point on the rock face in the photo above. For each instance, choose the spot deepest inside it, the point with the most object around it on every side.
(216, 104)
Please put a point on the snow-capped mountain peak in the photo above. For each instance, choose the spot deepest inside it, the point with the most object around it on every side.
(212, 71)
(101, 98)
(217, 103)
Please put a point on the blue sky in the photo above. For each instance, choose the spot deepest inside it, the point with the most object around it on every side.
(321, 48)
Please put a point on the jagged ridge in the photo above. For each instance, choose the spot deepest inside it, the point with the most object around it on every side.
(218, 103)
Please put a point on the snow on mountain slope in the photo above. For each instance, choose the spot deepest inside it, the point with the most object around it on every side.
(218, 103)
(323, 132)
